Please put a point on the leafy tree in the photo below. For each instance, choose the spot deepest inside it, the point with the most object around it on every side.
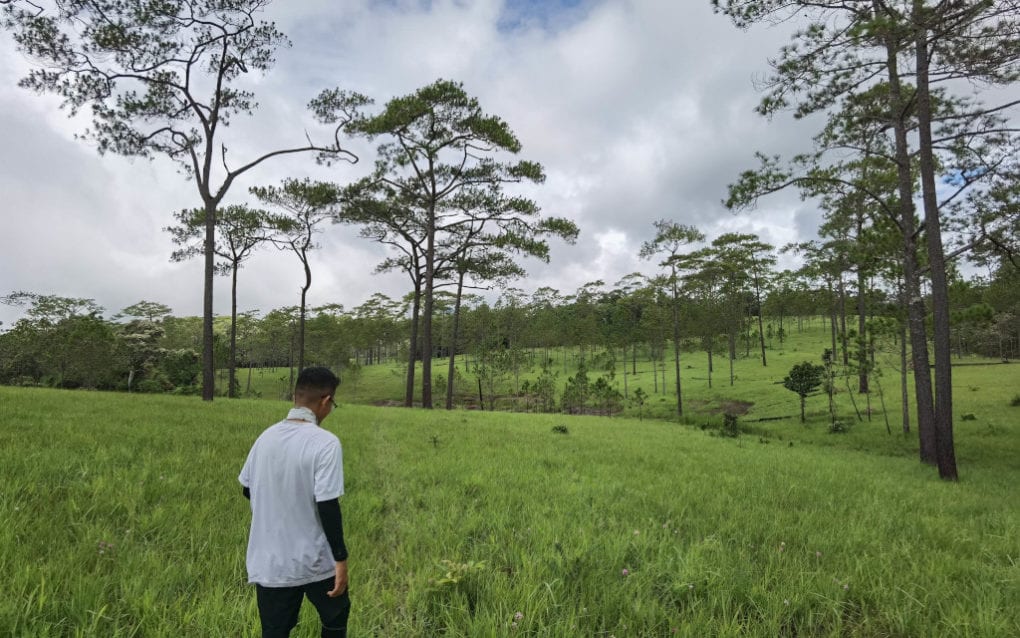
(61, 342)
(149, 310)
(140, 338)
(161, 79)
(804, 378)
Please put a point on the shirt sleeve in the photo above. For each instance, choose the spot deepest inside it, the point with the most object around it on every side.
(329, 472)
(245, 476)
(333, 527)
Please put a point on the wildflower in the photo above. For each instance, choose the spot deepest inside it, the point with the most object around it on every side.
(518, 616)
(636, 532)
(786, 602)
(625, 572)
(846, 586)
(690, 586)
(818, 554)
(513, 625)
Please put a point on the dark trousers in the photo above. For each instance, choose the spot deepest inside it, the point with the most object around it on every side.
(279, 607)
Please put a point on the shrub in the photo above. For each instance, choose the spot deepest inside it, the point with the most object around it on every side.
(839, 427)
(730, 426)
(803, 379)
(1015, 402)
(560, 429)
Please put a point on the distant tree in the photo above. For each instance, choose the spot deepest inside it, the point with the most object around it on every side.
(141, 337)
(239, 230)
(638, 399)
(804, 378)
(148, 310)
(61, 341)
(437, 172)
(745, 253)
(306, 205)
(670, 239)
(161, 80)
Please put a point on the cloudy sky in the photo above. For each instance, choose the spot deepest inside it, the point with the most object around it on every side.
(639, 110)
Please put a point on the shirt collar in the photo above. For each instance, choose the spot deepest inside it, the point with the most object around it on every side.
(302, 414)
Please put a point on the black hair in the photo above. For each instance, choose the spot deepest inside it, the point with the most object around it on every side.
(316, 382)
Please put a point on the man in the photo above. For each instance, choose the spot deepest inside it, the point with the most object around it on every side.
(294, 477)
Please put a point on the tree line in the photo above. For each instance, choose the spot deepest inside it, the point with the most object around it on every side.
(713, 304)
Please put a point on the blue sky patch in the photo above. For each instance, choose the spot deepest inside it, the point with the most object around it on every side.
(548, 15)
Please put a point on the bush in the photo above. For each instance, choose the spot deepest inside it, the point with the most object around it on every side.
(839, 427)
(1015, 402)
(730, 426)
(181, 367)
(560, 429)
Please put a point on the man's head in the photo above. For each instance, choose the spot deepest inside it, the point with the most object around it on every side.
(316, 389)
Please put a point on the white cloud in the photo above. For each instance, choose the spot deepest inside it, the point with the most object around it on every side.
(639, 110)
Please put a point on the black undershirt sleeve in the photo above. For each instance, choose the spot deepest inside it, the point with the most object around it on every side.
(247, 492)
(333, 526)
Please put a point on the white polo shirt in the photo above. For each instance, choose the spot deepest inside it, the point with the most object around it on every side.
(291, 466)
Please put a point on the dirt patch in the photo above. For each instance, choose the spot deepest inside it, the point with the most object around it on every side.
(738, 408)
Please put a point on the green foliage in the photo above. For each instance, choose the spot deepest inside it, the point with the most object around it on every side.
(731, 425)
(181, 367)
(560, 429)
(838, 426)
(576, 392)
(1015, 401)
(803, 379)
(456, 572)
(606, 397)
(544, 388)
(638, 398)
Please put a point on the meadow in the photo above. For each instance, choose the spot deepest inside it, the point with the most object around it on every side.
(123, 517)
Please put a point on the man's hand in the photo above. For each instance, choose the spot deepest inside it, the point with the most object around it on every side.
(340, 582)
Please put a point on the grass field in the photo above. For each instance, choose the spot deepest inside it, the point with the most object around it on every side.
(123, 517)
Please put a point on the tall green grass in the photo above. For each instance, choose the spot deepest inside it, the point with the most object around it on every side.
(123, 517)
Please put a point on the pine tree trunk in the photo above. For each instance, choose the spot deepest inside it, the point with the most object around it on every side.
(908, 227)
(232, 364)
(944, 448)
(862, 341)
(301, 319)
(208, 358)
(412, 356)
(842, 321)
(676, 346)
(451, 369)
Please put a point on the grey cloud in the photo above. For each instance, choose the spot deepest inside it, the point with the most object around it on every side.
(638, 111)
